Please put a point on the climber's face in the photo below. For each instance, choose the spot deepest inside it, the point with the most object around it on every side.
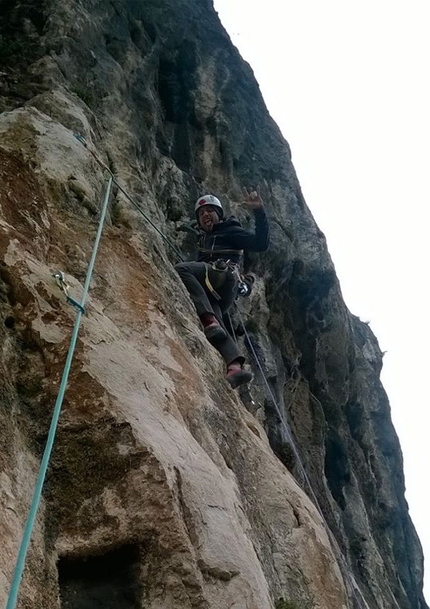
(208, 217)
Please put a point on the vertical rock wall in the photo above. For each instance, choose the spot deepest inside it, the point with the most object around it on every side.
(166, 489)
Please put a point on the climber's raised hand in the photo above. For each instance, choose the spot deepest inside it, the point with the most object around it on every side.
(253, 198)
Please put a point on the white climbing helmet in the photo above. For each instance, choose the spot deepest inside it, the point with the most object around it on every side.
(209, 200)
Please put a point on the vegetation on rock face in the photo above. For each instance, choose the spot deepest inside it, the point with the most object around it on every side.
(283, 604)
(21, 28)
(85, 95)
(9, 47)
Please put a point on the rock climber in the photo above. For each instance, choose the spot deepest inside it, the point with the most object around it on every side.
(212, 281)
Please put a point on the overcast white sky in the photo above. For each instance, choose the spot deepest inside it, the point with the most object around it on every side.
(348, 84)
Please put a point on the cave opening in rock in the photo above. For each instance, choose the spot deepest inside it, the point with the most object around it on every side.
(96, 582)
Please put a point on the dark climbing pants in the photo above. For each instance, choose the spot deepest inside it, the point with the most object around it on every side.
(193, 275)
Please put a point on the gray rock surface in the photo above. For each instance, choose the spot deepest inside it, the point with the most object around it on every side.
(166, 489)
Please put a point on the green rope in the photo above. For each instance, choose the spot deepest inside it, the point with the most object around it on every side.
(20, 563)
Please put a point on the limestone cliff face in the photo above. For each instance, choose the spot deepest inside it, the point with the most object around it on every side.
(167, 489)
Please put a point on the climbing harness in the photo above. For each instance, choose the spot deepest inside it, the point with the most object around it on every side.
(204, 250)
(34, 507)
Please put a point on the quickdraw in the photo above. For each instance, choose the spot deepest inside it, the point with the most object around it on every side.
(60, 280)
(243, 286)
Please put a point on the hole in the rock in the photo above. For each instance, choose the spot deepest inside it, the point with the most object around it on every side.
(9, 322)
(98, 582)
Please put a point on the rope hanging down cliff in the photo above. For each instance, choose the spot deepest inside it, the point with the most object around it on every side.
(80, 307)
(355, 590)
(34, 507)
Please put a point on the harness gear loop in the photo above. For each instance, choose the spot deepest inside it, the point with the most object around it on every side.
(222, 266)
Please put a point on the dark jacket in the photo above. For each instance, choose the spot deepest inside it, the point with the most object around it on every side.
(228, 239)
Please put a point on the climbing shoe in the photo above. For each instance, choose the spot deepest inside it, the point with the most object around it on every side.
(212, 328)
(236, 376)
